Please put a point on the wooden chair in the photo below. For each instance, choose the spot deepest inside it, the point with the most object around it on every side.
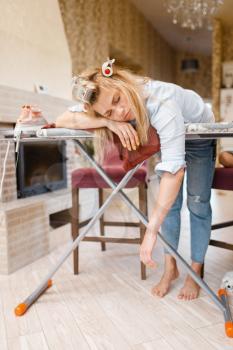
(89, 178)
(223, 180)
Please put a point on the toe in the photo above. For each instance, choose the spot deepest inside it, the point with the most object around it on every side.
(194, 296)
(153, 292)
(162, 293)
(180, 295)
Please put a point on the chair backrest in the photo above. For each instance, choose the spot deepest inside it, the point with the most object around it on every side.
(223, 179)
(112, 156)
(131, 158)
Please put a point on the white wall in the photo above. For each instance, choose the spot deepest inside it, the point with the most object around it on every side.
(33, 46)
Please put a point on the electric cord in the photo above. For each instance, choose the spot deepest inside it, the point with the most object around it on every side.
(4, 169)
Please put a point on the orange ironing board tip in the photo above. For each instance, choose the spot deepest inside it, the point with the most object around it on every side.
(222, 293)
(229, 329)
(23, 307)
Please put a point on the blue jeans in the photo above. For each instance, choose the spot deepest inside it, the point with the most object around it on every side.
(200, 159)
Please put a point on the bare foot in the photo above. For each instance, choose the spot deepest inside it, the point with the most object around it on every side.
(191, 289)
(170, 274)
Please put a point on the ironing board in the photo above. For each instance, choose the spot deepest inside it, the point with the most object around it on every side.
(193, 131)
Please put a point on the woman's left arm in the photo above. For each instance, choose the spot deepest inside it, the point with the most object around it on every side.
(168, 190)
(169, 124)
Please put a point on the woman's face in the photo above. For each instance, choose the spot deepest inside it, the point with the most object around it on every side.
(113, 104)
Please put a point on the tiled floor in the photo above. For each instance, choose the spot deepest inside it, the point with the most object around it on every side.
(107, 306)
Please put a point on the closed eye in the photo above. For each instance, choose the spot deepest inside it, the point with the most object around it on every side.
(108, 114)
(116, 100)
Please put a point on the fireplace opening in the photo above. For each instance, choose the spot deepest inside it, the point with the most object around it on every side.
(41, 168)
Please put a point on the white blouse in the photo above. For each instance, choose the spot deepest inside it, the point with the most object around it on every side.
(169, 108)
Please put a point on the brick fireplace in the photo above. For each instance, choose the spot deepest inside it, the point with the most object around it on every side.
(25, 232)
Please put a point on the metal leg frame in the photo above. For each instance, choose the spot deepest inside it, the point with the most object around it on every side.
(220, 301)
(46, 283)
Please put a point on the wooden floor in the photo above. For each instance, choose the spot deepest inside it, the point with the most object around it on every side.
(108, 307)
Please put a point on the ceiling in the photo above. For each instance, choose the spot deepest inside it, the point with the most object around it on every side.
(198, 41)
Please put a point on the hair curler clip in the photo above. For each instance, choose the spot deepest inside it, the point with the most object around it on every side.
(107, 69)
(82, 89)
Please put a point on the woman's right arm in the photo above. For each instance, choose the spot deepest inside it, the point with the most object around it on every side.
(79, 120)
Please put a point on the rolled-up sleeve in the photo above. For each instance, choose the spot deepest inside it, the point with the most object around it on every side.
(169, 123)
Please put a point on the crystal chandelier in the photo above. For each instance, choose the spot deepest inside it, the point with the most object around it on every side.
(192, 14)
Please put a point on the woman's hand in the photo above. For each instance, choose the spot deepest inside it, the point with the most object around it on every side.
(147, 247)
(126, 133)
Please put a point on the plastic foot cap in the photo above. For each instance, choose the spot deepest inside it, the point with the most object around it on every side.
(222, 291)
(229, 329)
(20, 309)
(50, 283)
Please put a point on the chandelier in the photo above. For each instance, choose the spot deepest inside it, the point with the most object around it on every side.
(192, 14)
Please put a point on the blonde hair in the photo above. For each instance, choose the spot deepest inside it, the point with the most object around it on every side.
(130, 85)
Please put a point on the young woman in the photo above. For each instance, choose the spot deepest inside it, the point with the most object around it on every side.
(113, 100)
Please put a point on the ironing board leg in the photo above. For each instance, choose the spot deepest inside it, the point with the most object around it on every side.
(46, 283)
(222, 306)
